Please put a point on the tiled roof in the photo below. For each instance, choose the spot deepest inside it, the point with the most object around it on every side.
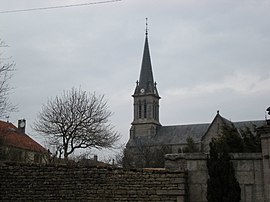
(12, 136)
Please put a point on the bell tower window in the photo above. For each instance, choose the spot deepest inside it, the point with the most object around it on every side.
(154, 110)
(144, 109)
(140, 109)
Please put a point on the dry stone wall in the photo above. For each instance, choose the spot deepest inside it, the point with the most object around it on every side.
(25, 182)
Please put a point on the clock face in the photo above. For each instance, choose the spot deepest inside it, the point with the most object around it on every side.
(142, 90)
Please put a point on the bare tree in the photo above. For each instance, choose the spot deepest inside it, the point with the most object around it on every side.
(6, 69)
(76, 120)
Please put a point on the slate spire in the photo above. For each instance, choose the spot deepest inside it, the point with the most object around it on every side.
(146, 82)
(146, 98)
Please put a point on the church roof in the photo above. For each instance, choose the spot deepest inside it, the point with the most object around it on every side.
(146, 75)
(178, 134)
(242, 125)
(171, 135)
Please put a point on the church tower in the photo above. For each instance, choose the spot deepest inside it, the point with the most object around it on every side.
(146, 99)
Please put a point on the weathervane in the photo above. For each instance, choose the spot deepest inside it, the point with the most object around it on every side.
(267, 112)
(146, 26)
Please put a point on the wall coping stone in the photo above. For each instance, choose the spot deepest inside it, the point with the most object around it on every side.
(203, 156)
(88, 167)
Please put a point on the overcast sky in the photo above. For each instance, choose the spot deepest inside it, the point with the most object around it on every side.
(207, 55)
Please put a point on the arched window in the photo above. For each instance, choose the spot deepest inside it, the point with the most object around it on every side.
(154, 110)
(144, 109)
(140, 110)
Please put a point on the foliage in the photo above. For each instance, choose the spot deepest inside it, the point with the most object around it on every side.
(76, 120)
(191, 146)
(251, 141)
(239, 141)
(230, 139)
(6, 69)
(222, 185)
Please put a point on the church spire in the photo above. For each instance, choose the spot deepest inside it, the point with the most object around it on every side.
(146, 82)
(146, 98)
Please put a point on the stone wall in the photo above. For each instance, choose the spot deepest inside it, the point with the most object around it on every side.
(25, 182)
(265, 139)
(252, 171)
(248, 169)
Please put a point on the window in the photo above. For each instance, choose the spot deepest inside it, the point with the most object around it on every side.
(145, 109)
(154, 110)
(140, 110)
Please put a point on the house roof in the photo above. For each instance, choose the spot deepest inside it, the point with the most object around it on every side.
(12, 136)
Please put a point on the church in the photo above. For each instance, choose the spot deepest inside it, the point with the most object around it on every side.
(149, 140)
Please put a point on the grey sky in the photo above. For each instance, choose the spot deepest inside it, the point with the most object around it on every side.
(207, 55)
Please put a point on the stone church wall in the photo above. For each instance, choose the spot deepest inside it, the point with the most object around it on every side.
(214, 131)
(248, 168)
(265, 139)
(26, 182)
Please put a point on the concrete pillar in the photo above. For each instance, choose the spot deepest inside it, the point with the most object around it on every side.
(264, 132)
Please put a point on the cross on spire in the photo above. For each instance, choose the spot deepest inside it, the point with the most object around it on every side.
(146, 26)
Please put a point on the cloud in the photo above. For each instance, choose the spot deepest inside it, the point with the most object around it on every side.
(239, 83)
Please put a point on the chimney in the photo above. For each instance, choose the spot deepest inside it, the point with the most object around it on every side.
(21, 125)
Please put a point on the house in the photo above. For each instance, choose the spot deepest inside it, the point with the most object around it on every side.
(148, 137)
(15, 145)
